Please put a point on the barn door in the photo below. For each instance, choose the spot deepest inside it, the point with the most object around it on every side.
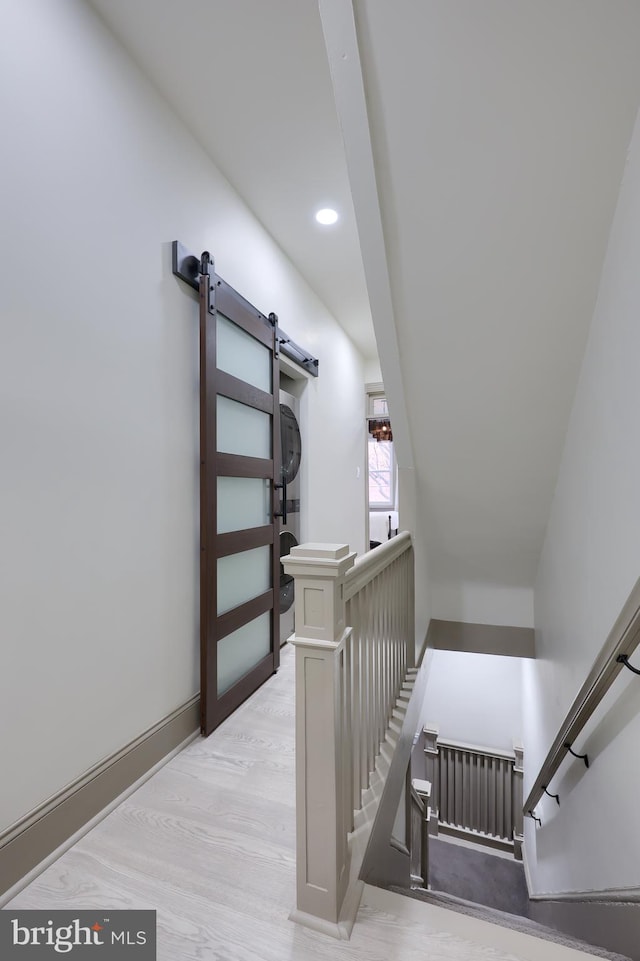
(239, 446)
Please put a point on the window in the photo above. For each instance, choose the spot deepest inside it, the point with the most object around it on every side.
(381, 459)
(378, 406)
(381, 474)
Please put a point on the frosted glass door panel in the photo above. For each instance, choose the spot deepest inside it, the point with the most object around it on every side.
(241, 650)
(242, 577)
(241, 355)
(243, 502)
(242, 430)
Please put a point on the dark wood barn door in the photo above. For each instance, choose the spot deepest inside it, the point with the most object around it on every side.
(239, 446)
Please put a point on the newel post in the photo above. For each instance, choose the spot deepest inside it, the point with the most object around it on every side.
(432, 767)
(322, 863)
(518, 828)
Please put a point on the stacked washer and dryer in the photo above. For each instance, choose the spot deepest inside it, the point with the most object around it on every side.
(290, 518)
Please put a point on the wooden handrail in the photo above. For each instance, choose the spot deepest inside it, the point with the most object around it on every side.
(623, 638)
(477, 791)
(477, 749)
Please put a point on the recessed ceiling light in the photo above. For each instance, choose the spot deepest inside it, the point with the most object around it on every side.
(326, 216)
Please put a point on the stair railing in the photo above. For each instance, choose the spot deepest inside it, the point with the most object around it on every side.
(355, 640)
(477, 791)
(620, 644)
(419, 813)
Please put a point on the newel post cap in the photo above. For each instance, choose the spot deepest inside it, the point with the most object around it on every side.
(320, 560)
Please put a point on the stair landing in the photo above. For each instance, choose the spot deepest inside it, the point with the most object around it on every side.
(438, 921)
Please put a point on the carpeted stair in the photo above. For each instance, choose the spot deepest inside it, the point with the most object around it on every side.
(513, 921)
(479, 876)
(483, 885)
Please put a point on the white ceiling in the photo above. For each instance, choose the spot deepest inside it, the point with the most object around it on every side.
(497, 132)
(251, 81)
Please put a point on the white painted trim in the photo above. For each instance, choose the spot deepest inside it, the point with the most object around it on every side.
(525, 865)
(307, 920)
(612, 895)
(342, 930)
(478, 749)
(291, 369)
(333, 646)
(374, 562)
(341, 42)
(481, 840)
(352, 901)
(630, 895)
(377, 387)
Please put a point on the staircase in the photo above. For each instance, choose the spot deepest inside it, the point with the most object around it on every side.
(515, 923)
(471, 930)
(430, 925)
(475, 874)
(364, 817)
(208, 841)
(361, 820)
(471, 879)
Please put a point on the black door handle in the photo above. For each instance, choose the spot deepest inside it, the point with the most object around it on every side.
(283, 512)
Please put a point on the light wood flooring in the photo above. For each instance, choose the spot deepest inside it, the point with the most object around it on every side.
(209, 842)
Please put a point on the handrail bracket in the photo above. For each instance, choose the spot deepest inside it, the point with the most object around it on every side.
(581, 757)
(556, 797)
(624, 659)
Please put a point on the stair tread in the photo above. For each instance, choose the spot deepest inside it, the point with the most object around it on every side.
(386, 751)
(382, 766)
(514, 921)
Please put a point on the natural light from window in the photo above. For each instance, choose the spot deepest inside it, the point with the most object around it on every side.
(381, 474)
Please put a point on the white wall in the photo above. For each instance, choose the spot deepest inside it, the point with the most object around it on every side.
(99, 396)
(477, 603)
(411, 518)
(372, 372)
(475, 698)
(590, 562)
(333, 419)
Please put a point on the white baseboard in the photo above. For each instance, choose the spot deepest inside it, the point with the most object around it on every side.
(623, 895)
(629, 895)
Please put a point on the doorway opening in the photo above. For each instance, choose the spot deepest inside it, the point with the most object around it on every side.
(382, 471)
